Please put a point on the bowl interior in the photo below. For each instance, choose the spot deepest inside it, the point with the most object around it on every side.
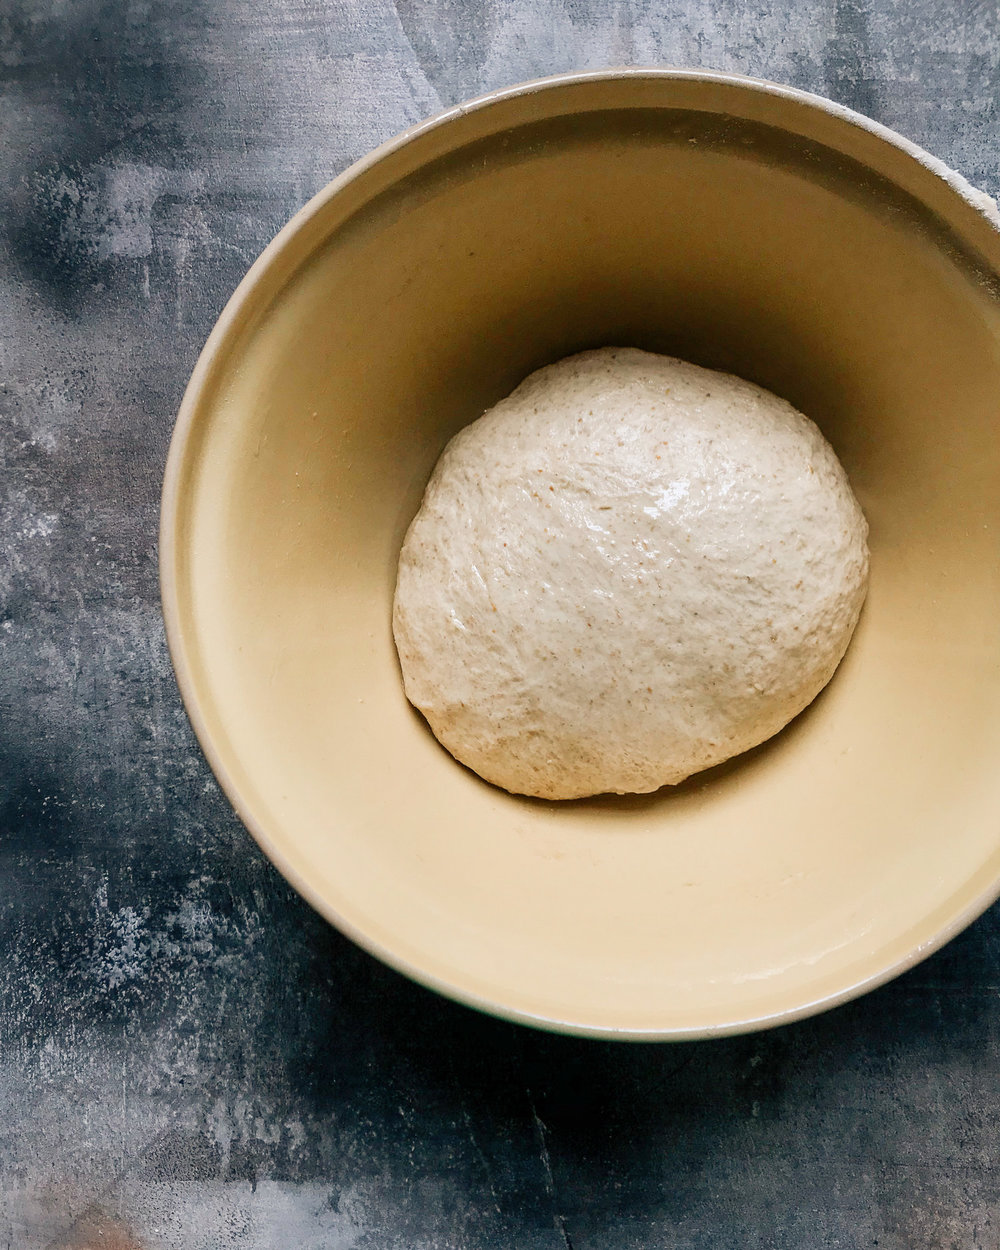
(708, 218)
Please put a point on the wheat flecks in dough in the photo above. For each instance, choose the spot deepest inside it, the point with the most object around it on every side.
(629, 570)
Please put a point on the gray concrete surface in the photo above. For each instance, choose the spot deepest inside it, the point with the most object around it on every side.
(190, 1059)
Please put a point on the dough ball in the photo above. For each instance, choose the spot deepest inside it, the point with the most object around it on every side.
(630, 569)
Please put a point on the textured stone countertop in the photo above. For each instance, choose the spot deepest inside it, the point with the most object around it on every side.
(190, 1059)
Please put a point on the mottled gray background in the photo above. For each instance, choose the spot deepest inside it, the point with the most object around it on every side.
(189, 1057)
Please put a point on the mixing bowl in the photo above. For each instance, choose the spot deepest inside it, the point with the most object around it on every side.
(738, 224)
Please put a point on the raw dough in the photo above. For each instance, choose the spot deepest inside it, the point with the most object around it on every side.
(629, 570)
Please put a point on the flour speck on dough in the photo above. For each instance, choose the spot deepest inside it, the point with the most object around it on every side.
(629, 570)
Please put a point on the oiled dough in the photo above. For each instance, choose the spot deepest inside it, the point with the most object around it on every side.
(629, 570)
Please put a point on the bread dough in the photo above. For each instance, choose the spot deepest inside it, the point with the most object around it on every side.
(629, 570)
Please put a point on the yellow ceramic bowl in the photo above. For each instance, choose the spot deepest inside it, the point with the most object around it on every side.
(741, 225)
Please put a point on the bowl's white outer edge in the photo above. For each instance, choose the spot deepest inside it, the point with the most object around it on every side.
(170, 507)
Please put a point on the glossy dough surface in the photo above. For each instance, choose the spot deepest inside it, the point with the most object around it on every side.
(629, 570)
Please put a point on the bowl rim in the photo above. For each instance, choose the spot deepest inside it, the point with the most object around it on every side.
(171, 512)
